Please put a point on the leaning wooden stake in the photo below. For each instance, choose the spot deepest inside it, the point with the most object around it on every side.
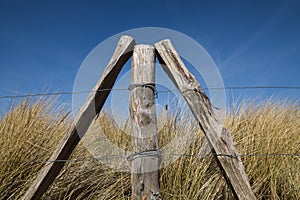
(87, 113)
(219, 138)
(145, 160)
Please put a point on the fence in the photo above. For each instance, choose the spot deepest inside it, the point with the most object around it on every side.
(143, 92)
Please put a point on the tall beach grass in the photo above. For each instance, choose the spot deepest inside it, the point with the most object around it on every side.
(31, 129)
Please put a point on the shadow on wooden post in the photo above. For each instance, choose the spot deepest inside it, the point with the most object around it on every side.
(218, 137)
(87, 113)
(146, 158)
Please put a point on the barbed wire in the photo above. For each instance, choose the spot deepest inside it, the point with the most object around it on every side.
(90, 159)
(158, 91)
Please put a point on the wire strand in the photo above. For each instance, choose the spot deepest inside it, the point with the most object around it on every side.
(158, 91)
(89, 159)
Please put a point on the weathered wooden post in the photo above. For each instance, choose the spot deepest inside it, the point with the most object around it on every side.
(145, 160)
(87, 113)
(218, 137)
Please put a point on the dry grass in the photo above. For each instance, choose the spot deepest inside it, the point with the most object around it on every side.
(270, 128)
(31, 130)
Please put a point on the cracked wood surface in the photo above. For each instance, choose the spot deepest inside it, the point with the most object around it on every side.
(145, 165)
(217, 135)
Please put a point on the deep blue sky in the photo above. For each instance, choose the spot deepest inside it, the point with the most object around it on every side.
(43, 43)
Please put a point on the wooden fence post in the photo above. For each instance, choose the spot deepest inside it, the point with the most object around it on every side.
(87, 113)
(218, 137)
(145, 160)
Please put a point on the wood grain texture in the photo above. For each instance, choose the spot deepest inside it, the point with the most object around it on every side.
(87, 113)
(145, 164)
(219, 137)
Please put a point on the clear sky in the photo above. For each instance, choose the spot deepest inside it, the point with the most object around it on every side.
(43, 43)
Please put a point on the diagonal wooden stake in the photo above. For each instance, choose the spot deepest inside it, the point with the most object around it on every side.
(218, 137)
(87, 113)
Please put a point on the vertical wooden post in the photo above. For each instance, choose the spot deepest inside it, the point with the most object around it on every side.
(218, 137)
(145, 160)
(87, 113)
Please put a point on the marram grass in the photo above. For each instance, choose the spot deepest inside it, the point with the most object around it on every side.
(30, 131)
